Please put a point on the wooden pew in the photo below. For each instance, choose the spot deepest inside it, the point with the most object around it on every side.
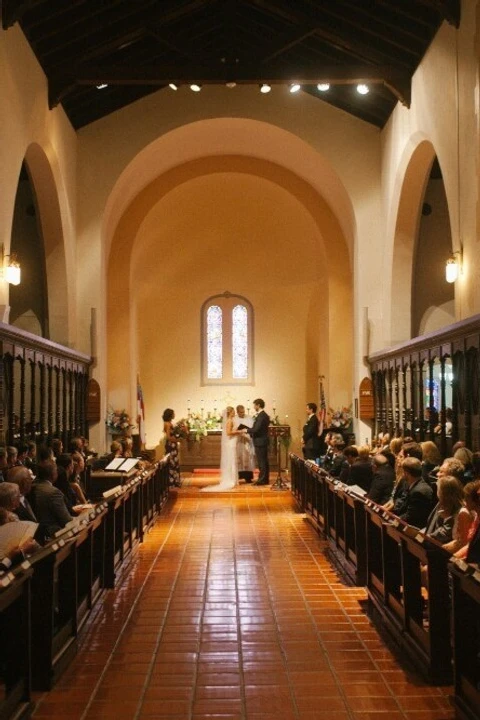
(466, 638)
(15, 699)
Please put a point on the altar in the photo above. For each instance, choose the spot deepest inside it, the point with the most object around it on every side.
(205, 452)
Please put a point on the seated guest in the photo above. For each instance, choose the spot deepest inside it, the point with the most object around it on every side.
(30, 458)
(361, 470)
(472, 502)
(22, 477)
(419, 498)
(12, 456)
(450, 521)
(22, 453)
(79, 474)
(338, 460)
(44, 456)
(9, 498)
(48, 501)
(351, 455)
(57, 447)
(66, 482)
(18, 554)
(466, 457)
(325, 459)
(397, 501)
(76, 446)
(381, 487)
(127, 447)
(452, 466)
(3, 464)
(396, 445)
(431, 459)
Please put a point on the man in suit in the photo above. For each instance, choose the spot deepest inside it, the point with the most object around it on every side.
(48, 501)
(383, 480)
(22, 477)
(259, 433)
(419, 499)
(310, 438)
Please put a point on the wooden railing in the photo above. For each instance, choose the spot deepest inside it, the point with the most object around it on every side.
(407, 578)
(53, 593)
(439, 370)
(43, 389)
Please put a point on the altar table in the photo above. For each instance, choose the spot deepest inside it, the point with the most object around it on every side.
(205, 452)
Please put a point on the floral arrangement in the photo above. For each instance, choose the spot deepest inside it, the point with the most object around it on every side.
(341, 418)
(118, 421)
(197, 425)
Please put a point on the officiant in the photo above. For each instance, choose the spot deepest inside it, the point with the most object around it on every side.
(245, 446)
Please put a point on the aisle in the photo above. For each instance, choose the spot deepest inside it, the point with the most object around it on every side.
(233, 611)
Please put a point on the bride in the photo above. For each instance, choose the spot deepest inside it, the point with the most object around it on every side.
(228, 457)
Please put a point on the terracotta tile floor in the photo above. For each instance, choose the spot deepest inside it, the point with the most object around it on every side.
(232, 611)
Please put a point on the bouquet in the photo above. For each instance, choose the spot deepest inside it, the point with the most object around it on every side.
(118, 421)
(341, 418)
(181, 429)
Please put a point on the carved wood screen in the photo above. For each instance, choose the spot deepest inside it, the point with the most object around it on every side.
(429, 388)
(42, 388)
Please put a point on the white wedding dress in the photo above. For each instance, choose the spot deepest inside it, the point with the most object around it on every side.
(228, 463)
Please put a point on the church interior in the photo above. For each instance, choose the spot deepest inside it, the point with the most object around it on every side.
(309, 173)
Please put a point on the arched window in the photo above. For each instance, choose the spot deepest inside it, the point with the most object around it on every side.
(227, 340)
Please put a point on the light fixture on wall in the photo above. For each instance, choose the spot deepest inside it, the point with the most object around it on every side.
(10, 270)
(453, 266)
(265, 88)
(295, 87)
(195, 88)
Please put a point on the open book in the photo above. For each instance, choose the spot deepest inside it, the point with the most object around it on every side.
(122, 464)
(13, 534)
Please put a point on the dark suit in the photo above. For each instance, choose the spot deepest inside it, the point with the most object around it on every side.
(49, 505)
(361, 474)
(418, 504)
(439, 527)
(259, 433)
(311, 441)
(24, 511)
(381, 487)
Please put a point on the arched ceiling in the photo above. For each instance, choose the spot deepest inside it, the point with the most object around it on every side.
(136, 48)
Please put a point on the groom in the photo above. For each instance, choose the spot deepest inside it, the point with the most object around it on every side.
(259, 433)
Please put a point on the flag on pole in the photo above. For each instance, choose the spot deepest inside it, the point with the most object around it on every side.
(140, 414)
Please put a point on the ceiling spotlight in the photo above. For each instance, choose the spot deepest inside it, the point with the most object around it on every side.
(231, 85)
(195, 87)
(323, 87)
(173, 86)
(102, 86)
(265, 88)
(295, 87)
(363, 89)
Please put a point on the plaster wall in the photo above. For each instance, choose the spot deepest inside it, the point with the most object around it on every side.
(29, 129)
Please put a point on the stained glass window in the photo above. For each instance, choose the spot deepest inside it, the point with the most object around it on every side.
(214, 343)
(240, 342)
(227, 340)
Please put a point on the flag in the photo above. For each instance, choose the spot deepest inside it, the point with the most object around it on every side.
(140, 414)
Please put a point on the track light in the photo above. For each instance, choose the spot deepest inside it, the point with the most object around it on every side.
(102, 86)
(363, 89)
(295, 87)
(323, 87)
(173, 86)
(265, 88)
(195, 87)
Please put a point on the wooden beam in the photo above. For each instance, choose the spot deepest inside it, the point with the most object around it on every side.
(450, 10)
(13, 11)
(161, 75)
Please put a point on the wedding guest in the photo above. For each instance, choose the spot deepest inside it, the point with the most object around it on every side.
(9, 497)
(12, 456)
(171, 448)
(450, 520)
(338, 459)
(57, 447)
(22, 477)
(30, 456)
(431, 459)
(419, 497)
(452, 466)
(466, 457)
(245, 447)
(3, 464)
(77, 480)
(18, 554)
(67, 483)
(48, 501)
(310, 438)
(472, 501)
(381, 486)
(351, 456)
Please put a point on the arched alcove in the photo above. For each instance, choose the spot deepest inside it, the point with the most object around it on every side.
(29, 300)
(163, 245)
(422, 243)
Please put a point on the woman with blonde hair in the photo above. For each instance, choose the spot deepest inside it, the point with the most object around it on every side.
(451, 520)
(431, 459)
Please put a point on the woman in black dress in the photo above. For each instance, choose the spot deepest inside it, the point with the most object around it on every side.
(171, 448)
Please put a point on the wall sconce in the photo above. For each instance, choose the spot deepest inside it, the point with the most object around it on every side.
(10, 271)
(453, 267)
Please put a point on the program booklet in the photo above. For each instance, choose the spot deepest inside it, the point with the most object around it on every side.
(15, 533)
